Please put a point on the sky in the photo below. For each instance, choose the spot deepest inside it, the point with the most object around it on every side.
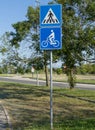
(12, 11)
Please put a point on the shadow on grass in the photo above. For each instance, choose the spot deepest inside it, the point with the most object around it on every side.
(29, 108)
(24, 104)
(11, 90)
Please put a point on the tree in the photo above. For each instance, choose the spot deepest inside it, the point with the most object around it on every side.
(29, 30)
(11, 58)
(3, 45)
(78, 34)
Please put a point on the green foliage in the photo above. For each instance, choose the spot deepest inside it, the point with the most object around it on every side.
(78, 32)
(20, 70)
(91, 11)
(86, 69)
(33, 16)
(5, 45)
(0, 70)
(37, 63)
(21, 29)
(59, 71)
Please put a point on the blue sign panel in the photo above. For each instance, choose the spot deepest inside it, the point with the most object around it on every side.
(51, 15)
(50, 38)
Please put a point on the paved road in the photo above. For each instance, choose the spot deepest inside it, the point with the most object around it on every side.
(41, 82)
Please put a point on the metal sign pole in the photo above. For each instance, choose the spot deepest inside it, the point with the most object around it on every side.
(50, 23)
(51, 92)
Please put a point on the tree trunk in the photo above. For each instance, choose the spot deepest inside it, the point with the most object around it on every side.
(71, 78)
(46, 74)
(46, 69)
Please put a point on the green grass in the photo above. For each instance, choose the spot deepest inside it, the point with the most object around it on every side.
(29, 109)
(87, 81)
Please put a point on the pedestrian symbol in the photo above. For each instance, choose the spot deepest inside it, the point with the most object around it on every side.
(50, 18)
(51, 15)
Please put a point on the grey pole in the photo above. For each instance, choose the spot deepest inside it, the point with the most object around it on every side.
(37, 79)
(51, 92)
(38, 4)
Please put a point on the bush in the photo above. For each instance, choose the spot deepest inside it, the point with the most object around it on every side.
(86, 69)
(59, 71)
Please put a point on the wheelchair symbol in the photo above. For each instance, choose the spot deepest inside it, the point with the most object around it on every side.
(50, 40)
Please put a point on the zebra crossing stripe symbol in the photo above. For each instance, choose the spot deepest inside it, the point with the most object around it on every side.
(50, 18)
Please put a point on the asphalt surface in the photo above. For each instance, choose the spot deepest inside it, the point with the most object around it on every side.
(42, 83)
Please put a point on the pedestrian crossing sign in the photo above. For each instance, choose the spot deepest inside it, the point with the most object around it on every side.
(50, 18)
(51, 15)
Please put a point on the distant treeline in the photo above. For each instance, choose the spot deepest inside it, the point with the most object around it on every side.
(83, 69)
(86, 69)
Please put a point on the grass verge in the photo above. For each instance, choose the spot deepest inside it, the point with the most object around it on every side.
(29, 109)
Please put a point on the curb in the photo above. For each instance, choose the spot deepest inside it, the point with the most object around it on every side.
(7, 116)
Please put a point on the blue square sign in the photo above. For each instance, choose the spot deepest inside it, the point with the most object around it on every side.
(51, 15)
(50, 38)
